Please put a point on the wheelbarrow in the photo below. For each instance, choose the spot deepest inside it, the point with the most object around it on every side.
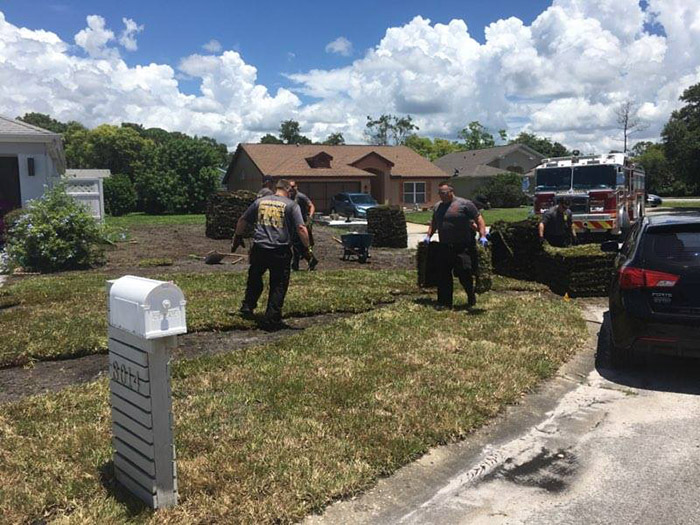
(356, 244)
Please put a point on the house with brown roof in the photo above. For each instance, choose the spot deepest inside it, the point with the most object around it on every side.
(469, 170)
(391, 174)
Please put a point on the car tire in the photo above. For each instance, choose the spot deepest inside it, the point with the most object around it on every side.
(608, 355)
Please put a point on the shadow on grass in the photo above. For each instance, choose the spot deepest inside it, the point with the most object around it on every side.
(133, 506)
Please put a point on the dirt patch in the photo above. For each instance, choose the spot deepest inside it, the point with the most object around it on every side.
(186, 245)
(51, 376)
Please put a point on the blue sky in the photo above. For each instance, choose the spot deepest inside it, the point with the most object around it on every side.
(266, 33)
(558, 68)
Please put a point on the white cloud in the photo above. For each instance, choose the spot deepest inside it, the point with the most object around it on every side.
(213, 46)
(128, 35)
(341, 46)
(560, 76)
(95, 37)
(38, 72)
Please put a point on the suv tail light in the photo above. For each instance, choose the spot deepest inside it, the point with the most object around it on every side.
(635, 278)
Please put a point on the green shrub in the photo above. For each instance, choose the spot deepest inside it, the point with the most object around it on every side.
(160, 192)
(505, 191)
(8, 220)
(56, 233)
(120, 195)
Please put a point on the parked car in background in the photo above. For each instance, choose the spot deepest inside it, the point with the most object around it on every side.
(654, 200)
(655, 292)
(352, 204)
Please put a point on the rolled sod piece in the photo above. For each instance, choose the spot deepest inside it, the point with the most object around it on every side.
(484, 271)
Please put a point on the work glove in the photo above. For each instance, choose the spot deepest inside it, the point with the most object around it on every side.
(484, 242)
(426, 239)
(310, 258)
(237, 241)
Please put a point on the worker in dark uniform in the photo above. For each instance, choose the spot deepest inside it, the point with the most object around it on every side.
(276, 218)
(455, 220)
(267, 187)
(557, 224)
(308, 209)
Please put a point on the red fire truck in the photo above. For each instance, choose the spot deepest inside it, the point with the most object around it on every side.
(607, 192)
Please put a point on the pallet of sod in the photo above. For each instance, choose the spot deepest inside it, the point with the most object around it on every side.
(223, 211)
(388, 226)
(580, 271)
(516, 249)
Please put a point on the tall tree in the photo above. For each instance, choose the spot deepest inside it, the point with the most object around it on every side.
(334, 139)
(542, 145)
(44, 121)
(270, 139)
(628, 122)
(681, 138)
(431, 149)
(290, 133)
(379, 130)
(476, 136)
(388, 129)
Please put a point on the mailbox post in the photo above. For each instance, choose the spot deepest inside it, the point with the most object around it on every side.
(145, 317)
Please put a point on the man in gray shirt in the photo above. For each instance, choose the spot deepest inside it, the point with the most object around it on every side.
(455, 220)
(308, 209)
(267, 189)
(277, 218)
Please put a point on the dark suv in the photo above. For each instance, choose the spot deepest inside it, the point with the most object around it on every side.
(655, 293)
(352, 204)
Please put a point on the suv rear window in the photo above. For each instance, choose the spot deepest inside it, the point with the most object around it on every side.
(677, 244)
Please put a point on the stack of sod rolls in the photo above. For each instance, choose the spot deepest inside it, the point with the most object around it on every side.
(427, 274)
(516, 249)
(223, 211)
(388, 225)
(580, 271)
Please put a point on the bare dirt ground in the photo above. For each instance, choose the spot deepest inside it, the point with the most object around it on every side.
(51, 376)
(186, 246)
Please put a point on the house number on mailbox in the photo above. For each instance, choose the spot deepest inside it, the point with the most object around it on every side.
(124, 375)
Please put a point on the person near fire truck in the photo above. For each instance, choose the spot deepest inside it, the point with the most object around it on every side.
(276, 218)
(557, 224)
(308, 209)
(455, 220)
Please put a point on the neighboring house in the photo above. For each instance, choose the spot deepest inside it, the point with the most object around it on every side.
(470, 170)
(31, 159)
(391, 174)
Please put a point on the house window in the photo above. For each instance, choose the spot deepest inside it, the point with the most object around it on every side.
(414, 192)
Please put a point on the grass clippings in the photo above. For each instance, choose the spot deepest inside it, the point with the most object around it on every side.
(60, 316)
(272, 433)
(155, 262)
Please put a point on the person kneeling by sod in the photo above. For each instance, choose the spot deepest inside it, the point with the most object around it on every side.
(455, 220)
(276, 218)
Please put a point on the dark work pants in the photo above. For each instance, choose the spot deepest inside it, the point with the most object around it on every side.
(455, 259)
(560, 241)
(277, 262)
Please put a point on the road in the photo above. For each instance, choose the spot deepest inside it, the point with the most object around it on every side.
(589, 447)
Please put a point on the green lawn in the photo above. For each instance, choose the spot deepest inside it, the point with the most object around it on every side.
(272, 433)
(490, 216)
(141, 219)
(58, 316)
(670, 203)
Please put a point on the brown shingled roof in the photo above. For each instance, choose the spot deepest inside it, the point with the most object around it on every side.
(282, 160)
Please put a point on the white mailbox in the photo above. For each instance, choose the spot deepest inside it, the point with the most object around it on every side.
(147, 308)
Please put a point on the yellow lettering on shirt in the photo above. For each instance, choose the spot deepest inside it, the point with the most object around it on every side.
(271, 213)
